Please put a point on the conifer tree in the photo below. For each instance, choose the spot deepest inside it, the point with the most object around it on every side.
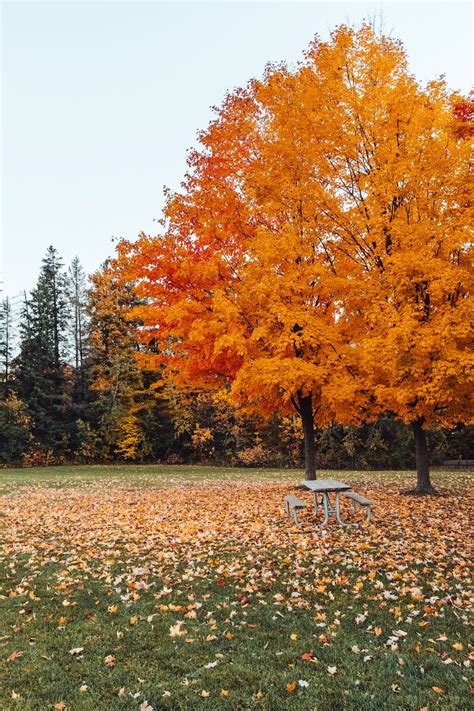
(113, 371)
(76, 290)
(77, 296)
(41, 373)
(6, 326)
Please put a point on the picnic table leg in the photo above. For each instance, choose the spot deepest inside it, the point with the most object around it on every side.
(315, 494)
(326, 507)
(338, 510)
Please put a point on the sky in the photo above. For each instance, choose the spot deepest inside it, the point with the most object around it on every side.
(102, 100)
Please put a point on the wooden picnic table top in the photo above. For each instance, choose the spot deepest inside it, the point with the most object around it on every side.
(325, 485)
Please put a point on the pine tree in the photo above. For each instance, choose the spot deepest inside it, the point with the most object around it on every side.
(76, 291)
(77, 297)
(14, 421)
(41, 372)
(6, 326)
(112, 368)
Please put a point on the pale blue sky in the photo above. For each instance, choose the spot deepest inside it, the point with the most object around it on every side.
(101, 100)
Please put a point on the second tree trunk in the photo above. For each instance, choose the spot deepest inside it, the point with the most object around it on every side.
(305, 404)
(423, 481)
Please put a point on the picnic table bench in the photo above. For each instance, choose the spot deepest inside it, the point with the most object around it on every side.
(359, 501)
(292, 502)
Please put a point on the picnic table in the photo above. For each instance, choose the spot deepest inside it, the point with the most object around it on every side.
(325, 487)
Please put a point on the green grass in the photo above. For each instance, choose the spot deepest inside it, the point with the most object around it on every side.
(253, 593)
(163, 475)
(137, 475)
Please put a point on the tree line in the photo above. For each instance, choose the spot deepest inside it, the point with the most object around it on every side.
(72, 390)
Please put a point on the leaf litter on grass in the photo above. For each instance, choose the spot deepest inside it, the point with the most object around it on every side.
(216, 569)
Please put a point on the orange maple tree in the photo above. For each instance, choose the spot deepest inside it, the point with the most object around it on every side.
(316, 255)
(397, 205)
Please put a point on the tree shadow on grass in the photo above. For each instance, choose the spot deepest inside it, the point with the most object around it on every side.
(443, 493)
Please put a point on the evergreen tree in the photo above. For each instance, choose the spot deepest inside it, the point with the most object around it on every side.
(6, 326)
(41, 374)
(112, 368)
(14, 421)
(77, 296)
(76, 291)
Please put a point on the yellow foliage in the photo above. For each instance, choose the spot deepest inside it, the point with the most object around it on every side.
(201, 435)
(129, 437)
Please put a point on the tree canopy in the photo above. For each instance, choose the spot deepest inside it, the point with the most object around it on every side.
(317, 255)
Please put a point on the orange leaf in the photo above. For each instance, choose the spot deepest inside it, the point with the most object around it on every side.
(14, 655)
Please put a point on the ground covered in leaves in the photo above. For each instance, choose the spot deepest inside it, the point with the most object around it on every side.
(176, 588)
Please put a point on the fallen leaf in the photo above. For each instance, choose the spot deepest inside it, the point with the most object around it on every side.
(76, 650)
(14, 655)
(177, 630)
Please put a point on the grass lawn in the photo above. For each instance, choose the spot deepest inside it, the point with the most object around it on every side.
(153, 587)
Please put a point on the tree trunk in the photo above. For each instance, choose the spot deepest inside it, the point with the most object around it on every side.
(423, 482)
(305, 406)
